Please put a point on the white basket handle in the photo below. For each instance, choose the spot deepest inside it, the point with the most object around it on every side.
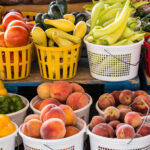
(144, 120)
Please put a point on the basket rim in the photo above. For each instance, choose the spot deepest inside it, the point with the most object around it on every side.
(15, 132)
(106, 46)
(21, 110)
(55, 140)
(57, 48)
(16, 48)
(75, 111)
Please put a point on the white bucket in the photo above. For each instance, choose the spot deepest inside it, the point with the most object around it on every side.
(100, 112)
(18, 117)
(8, 142)
(104, 143)
(75, 142)
(82, 113)
(114, 63)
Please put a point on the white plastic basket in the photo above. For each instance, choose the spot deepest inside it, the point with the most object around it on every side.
(82, 113)
(8, 142)
(74, 142)
(114, 63)
(104, 143)
(100, 112)
(18, 117)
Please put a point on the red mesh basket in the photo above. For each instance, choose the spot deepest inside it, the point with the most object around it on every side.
(147, 54)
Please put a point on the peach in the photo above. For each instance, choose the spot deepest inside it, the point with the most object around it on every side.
(54, 112)
(61, 90)
(106, 100)
(125, 132)
(116, 94)
(120, 124)
(77, 88)
(111, 113)
(123, 112)
(133, 118)
(126, 97)
(71, 130)
(96, 120)
(48, 101)
(145, 130)
(123, 107)
(77, 100)
(140, 92)
(32, 128)
(37, 105)
(103, 129)
(69, 113)
(32, 116)
(114, 124)
(139, 104)
(53, 129)
(43, 90)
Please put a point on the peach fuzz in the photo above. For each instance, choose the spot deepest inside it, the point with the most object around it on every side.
(31, 116)
(48, 101)
(103, 129)
(43, 90)
(71, 117)
(71, 130)
(32, 128)
(140, 92)
(125, 132)
(61, 90)
(53, 129)
(145, 130)
(114, 124)
(77, 88)
(123, 107)
(126, 97)
(77, 100)
(119, 125)
(105, 101)
(139, 103)
(96, 120)
(116, 94)
(111, 113)
(123, 112)
(54, 112)
(133, 118)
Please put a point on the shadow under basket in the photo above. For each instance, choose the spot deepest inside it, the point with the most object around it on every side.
(58, 63)
(15, 63)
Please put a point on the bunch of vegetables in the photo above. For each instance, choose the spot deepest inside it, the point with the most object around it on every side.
(15, 30)
(112, 23)
(10, 104)
(57, 28)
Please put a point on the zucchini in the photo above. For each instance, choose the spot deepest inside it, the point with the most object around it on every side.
(38, 18)
(55, 12)
(81, 17)
(39, 36)
(63, 6)
(38, 25)
(46, 16)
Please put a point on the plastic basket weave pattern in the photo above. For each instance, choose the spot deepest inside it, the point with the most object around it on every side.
(58, 63)
(30, 15)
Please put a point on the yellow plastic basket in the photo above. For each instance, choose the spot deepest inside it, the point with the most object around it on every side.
(30, 15)
(58, 63)
(15, 62)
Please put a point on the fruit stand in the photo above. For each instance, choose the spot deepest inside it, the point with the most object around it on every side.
(75, 79)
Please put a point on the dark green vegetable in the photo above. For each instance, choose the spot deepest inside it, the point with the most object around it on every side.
(146, 27)
(75, 13)
(141, 13)
(81, 17)
(4, 105)
(39, 25)
(46, 16)
(55, 12)
(38, 18)
(63, 6)
(148, 41)
(146, 18)
(52, 3)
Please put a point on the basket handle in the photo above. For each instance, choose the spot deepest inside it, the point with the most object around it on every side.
(145, 118)
(122, 60)
(48, 147)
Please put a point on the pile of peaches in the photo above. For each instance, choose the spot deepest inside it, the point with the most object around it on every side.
(61, 92)
(110, 126)
(15, 30)
(126, 101)
(54, 122)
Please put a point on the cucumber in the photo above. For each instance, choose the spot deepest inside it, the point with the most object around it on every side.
(38, 18)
